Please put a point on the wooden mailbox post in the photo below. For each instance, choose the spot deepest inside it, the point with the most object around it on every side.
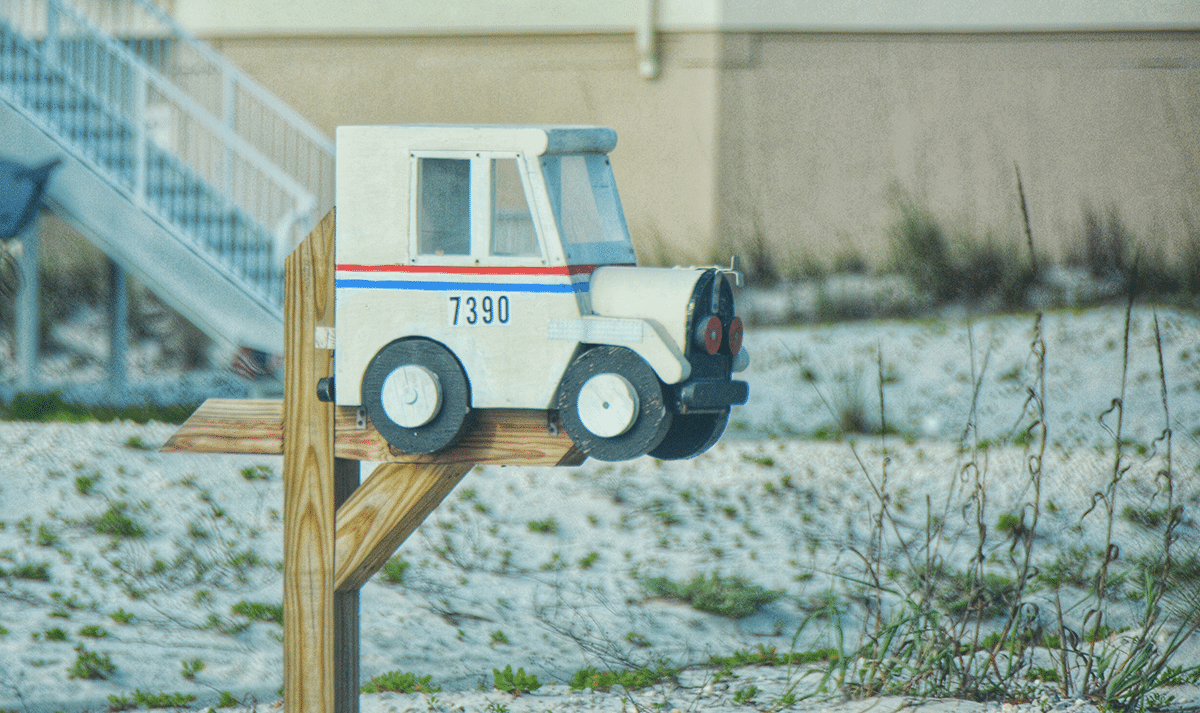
(336, 532)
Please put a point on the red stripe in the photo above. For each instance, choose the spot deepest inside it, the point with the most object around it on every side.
(472, 270)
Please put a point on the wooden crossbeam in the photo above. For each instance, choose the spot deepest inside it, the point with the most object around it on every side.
(496, 436)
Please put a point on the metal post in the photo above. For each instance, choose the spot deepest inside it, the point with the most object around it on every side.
(28, 308)
(118, 328)
(229, 108)
(51, 44)
(141, 81)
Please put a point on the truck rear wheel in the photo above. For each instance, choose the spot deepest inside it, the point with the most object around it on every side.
(611, 404)
(417, 395)
(691, 434)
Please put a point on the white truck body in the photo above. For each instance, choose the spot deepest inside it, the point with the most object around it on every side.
(506, 245)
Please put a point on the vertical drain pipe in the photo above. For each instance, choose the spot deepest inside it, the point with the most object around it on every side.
(647, 40)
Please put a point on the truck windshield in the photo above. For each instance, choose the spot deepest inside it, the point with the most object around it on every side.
(587, 209)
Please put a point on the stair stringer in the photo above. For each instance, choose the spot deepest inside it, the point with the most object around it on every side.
(203, 291)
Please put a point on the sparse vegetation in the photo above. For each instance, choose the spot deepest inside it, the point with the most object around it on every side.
(145, 699)
(48, 407)
(115, 522)
(259, 611)
(400, 682)
(549, 526)
(730, 596)
(91, 666)
(514, 683)
(394, 569)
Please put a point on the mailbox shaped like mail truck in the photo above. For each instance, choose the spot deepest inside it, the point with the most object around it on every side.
(484, 267)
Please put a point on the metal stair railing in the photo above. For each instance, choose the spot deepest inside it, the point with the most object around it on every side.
(185, 133)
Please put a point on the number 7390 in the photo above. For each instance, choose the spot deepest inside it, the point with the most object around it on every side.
(473, 311)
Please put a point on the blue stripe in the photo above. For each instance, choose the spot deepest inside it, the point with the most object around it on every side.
(461, 286)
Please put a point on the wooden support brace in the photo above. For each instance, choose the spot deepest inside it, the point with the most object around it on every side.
(383, 512)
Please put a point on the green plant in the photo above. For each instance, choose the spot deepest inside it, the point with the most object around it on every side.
(498, 637)
(549, 526)
(394, 569)
(629, 679)
(150, 700)
(46, 537)
(400, 682)
(257, 472)
(745, 695)
(136, 443)
(114, 522)
(33, 571)
(121, 616)
(47, 407)
(93, 631)
(588, 560)
(259, 611)
(732, 596)
(85, 484)
(91, 666)
(55, 634)
(227, 700)
(191, 668)
(514, 683)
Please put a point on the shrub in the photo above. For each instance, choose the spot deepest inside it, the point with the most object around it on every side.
(948, 267)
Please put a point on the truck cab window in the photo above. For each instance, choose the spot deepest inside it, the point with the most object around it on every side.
(443, 206)
(512, 224)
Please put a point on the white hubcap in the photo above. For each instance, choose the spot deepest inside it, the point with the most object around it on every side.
(411, 396)
(608, 405)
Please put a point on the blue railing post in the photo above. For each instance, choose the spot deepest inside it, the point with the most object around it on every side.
(137, 118)
(28, 308)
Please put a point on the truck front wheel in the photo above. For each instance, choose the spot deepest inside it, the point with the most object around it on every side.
(417, 395)
(611, 404)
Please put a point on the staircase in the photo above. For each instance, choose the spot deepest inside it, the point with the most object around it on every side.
(181, 168)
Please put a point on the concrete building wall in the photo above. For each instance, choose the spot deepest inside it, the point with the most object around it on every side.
(666, 149)
(800, 137)
(820, 132)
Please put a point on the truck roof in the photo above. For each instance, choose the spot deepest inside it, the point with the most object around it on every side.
(535, 140)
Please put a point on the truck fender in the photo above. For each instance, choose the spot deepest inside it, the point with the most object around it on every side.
(644, 337)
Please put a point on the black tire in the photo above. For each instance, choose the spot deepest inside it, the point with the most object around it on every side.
(691, 434)
(450, 420)
(653, 419)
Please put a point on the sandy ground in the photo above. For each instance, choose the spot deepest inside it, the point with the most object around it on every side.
(546, 569)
